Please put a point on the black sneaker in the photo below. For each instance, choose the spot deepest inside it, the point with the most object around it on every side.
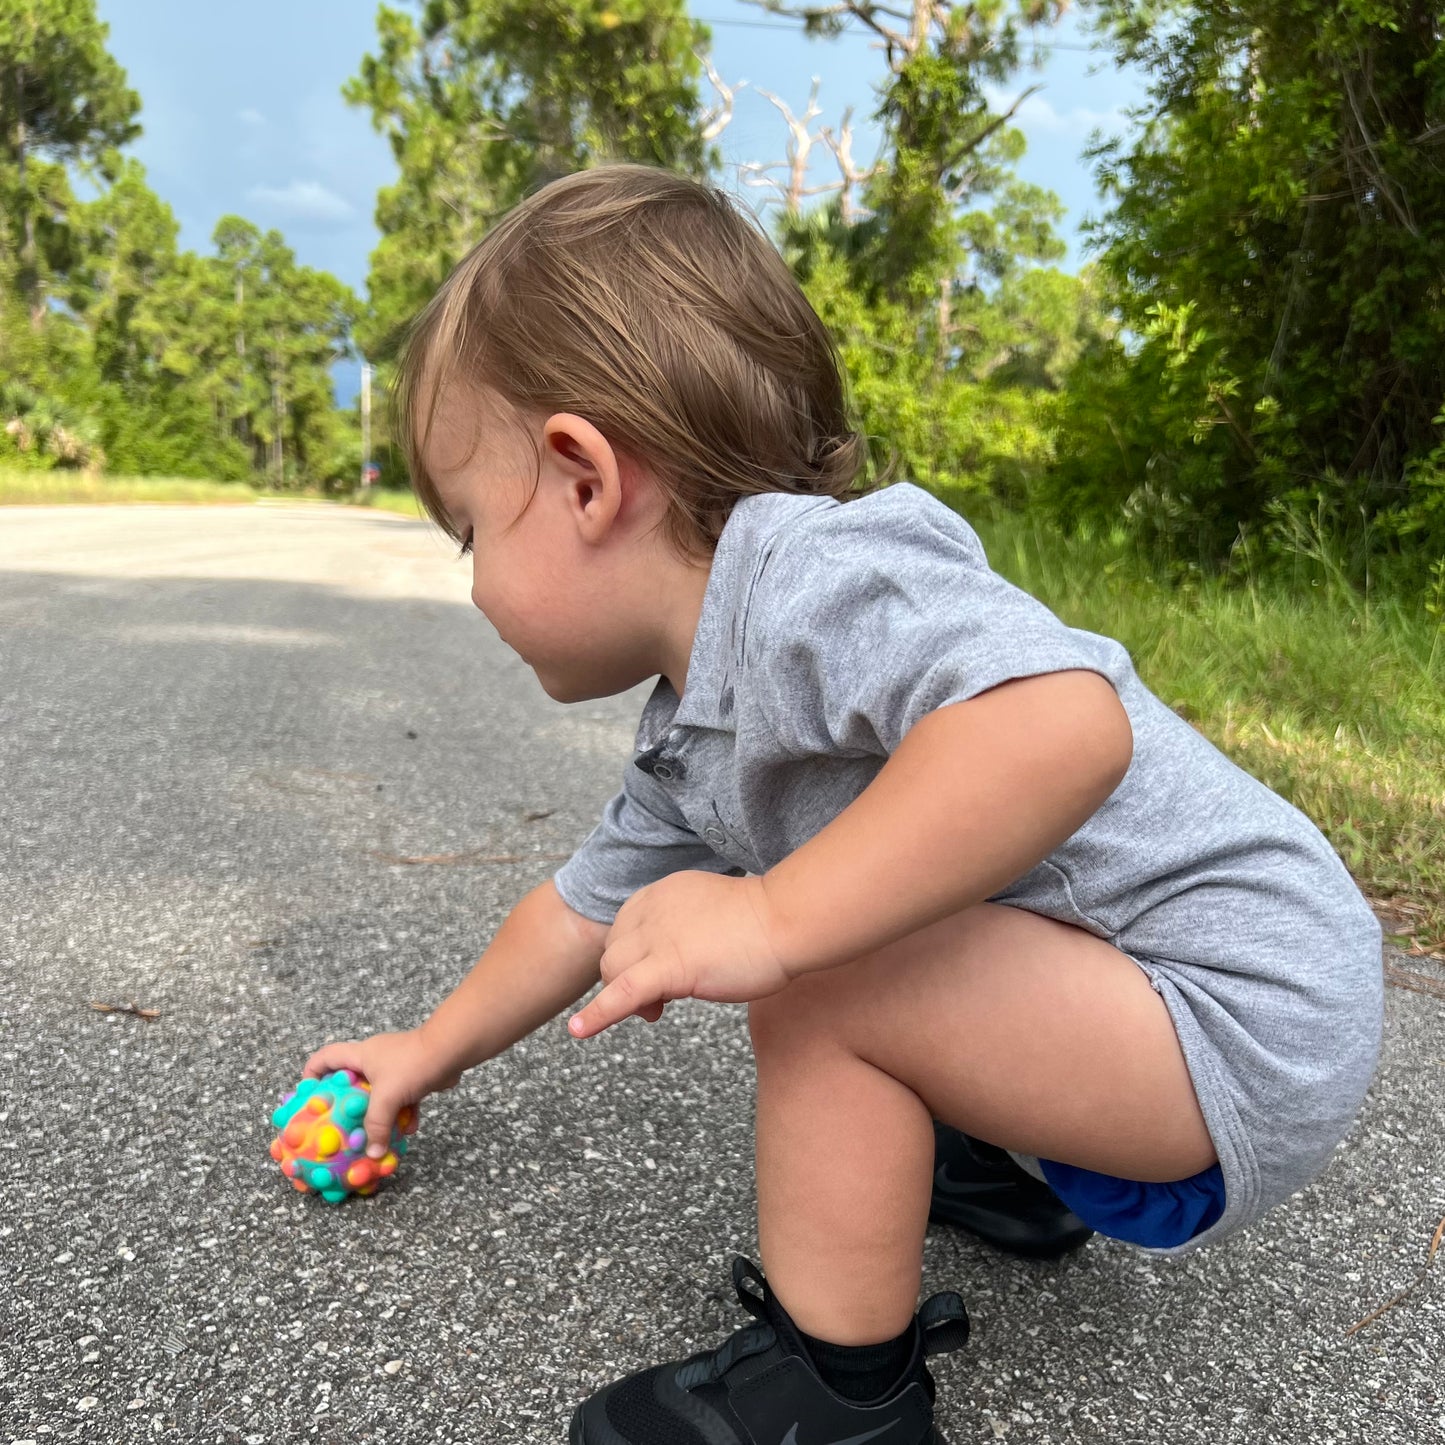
(978, 1187)
(760, 1387)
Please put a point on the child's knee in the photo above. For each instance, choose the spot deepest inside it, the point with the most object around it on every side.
(813, 1010)
(792, 1016)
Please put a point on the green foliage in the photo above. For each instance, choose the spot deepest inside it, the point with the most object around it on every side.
(955, 332)
(1275, 247)
(977, 427)
(484, 100)
(186, 365)
(39, 431)
(1252, 373)
(115, 348)
(267, 348)
(63, 101)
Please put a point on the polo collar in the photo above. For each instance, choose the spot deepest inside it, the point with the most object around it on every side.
(751, 528)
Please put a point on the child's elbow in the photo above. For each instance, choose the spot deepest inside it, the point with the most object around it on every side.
(1116, 739)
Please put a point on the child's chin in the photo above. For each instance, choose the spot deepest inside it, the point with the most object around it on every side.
(563, 689)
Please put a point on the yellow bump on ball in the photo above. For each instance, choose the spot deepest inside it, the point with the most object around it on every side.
(328, 1141)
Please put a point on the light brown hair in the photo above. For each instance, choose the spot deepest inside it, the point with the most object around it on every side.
(651, 305)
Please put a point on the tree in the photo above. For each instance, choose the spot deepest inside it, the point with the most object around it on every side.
(273, 330)
(955, 333)
(125, 244)
(943, 145)
(483, 100)
(63, 100)
(205, 365)
(1275, 251)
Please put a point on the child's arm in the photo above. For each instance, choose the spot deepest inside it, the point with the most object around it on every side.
(543, 958)
(976, 794)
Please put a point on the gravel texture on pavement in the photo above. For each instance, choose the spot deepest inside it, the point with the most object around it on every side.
(219, 728)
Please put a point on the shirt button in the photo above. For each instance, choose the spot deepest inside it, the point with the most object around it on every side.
(714, 835)
(663, 771)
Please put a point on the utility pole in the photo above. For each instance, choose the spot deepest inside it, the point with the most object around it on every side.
(278, 445)
(365, 425)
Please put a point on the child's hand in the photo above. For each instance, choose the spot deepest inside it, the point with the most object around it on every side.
(690, 935)
(400, 1068)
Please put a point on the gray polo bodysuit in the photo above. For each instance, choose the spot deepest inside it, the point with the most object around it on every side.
(828, 629)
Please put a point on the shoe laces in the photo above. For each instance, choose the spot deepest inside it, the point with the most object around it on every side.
(750, 1340)
(942, 1323)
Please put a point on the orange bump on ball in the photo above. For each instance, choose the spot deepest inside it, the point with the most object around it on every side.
(362, 1172)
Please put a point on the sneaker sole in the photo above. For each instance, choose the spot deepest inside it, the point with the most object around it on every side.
(576, 1437)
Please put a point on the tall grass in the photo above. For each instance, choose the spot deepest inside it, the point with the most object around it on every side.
(1332, 695)
(54, 488)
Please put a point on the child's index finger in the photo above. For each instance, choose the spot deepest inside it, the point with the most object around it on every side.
(627, 994)
(584, 1024)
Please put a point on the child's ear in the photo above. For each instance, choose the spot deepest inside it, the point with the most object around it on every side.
(589, 471)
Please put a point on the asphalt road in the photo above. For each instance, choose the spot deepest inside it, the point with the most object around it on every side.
(219, 728)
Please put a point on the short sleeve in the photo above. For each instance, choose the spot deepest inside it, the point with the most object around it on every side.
(642, 837)
(879, 611)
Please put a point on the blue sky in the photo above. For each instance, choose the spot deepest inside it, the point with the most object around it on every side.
(243, 113)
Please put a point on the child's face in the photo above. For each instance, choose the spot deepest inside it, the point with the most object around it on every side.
(573, 582)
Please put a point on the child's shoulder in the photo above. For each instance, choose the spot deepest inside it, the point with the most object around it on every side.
(898, 529)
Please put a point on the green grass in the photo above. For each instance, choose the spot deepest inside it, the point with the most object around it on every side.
(58, 487)
(52, 488)
(388, 500)
(1332, 697)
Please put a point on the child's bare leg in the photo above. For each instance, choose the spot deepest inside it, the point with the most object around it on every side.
(1022, 1031)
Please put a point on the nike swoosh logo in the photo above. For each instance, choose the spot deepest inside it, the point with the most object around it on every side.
(791, 1438)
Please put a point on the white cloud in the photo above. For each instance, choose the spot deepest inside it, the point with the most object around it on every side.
(1036, 114)
(304, 201)
(250, 116)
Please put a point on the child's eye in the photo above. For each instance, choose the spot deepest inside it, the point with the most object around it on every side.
(466, 547)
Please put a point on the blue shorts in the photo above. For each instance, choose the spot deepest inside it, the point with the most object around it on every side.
(1158, 1216)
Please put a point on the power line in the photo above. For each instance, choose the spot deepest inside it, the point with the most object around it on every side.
(847, 30)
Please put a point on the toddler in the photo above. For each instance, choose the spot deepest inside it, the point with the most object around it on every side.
(1008, 930)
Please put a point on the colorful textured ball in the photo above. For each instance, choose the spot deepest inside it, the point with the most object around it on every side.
(322, 1143)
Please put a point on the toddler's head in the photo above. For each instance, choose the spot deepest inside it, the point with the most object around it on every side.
(620, 359)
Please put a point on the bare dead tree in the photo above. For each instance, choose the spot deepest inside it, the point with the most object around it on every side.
(717, 120)
(853, 178)
(800, 144)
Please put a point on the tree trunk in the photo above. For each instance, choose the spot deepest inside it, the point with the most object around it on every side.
(278, 460)
(29, 269)
(243, 419)
(945, 324)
